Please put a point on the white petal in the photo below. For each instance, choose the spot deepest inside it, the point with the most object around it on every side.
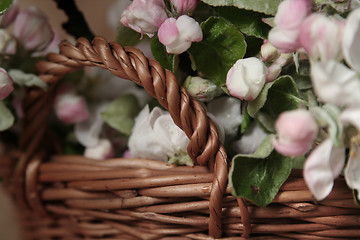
(351, 39)
(352, 169)
(321, 168)
(335, 83)
(351, 116)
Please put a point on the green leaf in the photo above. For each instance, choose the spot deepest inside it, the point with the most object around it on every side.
(248, 22)
(246, 121)
(255, 105)
(121, 113)
(222, 45)
(277, 97)
(4, 4)
(27, 79)
(257, 177)
(168, 61)
(7, 119)
(267, 6)
(126, 36)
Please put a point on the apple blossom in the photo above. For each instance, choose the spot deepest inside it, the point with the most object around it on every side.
(321, 37)
(201, 89)
(33, 29)
(144, 16)
(6, 84)
(296, 132)
(70, 107)
(351, 38)
(326, 161)
(184, 6)
(334, 83)
(246, 78)
(102, 150)
(178, 34)
(155, 136)
(288, 19)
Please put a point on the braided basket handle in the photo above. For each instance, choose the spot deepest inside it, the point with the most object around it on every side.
(130, 63)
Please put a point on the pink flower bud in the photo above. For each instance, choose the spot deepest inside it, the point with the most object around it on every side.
(32, 29)
(291, 13)
(9, 16)
(288, 19)
(6, 84)
(178, 34)
(69, 107)
(285, 40)
(321, 36)
(246, 78)
(184, 6)
(144, 16)
(297, 131)
(102, 150)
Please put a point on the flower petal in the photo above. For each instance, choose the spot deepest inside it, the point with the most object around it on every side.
(352, 169)
(351, 39)
(321, 168)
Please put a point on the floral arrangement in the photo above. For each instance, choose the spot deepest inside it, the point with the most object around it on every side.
(280, 79)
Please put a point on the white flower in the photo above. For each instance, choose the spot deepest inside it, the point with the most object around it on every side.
(155, 136)
(246, 78)
(326, 162)
(334, 83)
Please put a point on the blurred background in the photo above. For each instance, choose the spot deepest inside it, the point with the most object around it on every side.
(102, 18)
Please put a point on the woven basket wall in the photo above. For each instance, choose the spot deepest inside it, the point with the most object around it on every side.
(73, 197)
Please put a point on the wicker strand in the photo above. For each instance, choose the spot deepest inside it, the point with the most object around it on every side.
(130, 63)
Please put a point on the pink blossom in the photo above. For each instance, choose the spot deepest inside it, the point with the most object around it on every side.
(289, 17)
(6, 84)
(70, 107)
(246, 78)
(321, 36)
(9, 16)
(184, 6)
(32, 29)
(144, 16)
(178, 34)
(102, 150)
(296, 131)
(285, 40)
(291, 13)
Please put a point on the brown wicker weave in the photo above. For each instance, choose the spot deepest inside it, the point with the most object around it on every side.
(73, 197)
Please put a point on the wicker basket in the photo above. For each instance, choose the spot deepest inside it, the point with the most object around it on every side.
(73, 197)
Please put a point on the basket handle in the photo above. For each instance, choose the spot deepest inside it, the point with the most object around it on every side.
(129, 63)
